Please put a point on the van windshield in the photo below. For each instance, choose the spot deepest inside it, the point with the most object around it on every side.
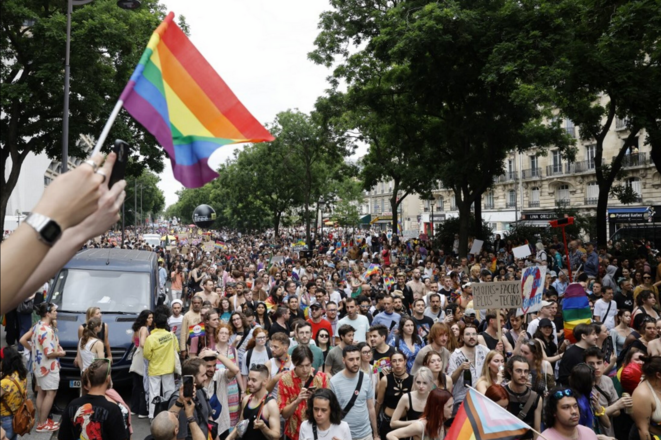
(124, 292)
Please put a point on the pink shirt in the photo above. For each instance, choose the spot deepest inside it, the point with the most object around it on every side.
(583, 433)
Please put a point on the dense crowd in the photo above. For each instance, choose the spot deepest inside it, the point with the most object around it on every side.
(367, 335)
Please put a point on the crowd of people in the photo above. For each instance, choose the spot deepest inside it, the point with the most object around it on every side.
(364, 337)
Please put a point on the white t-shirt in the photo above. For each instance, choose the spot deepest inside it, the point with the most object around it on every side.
(361, 324)
(600, 309)
(256, 358)
(175, 324)
(341, 431)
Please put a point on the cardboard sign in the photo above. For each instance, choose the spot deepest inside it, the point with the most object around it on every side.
(184, 250)
(207, 238)
(209, 246)
(183, 235)
(477, 247)
(498, 295)
(521, 251)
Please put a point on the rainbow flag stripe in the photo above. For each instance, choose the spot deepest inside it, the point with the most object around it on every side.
(180, 99)
(575, 309)
(479, 418)
(196, 330)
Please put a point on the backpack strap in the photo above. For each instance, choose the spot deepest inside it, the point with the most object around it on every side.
(529, 403)
(347, 408)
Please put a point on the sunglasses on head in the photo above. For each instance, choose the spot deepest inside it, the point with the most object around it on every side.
(109, 363)
(563, 393)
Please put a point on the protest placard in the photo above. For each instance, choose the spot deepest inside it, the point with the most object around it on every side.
(521, 251)
(498, 295)
(208, 246)
(477, 247)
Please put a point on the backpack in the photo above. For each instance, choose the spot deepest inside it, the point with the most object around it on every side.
(24, 417)
(26, 307)
(249, 355)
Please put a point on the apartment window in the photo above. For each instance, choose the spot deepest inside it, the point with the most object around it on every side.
(489, 200)
(621, 123)
(533, 163)
(511, 198)
(390, 187)
(453, 204)
(510, 169)
(635, 184)
(534, 197)
(439, 204)
(589, 156)
(426, 204)
(557, 161)
(591, 193)
(562, 195)
(569, 127)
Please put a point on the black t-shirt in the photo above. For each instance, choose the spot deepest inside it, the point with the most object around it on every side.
(572, 357)
(624, 302)
(277, 328)
(423, 325)
(516, 405)
(382, 360)
(98, 417)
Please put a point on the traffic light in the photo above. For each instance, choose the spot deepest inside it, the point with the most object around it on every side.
(561, 222)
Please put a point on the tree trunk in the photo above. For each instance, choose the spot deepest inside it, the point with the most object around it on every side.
(394, 205)
(655, 152)
(464, 214)
(478, 219)
(307, 225)
(602, 212)
(276, 222)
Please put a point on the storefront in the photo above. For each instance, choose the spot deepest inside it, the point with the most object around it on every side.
(634, 218)
(382, 222)
(538, 218)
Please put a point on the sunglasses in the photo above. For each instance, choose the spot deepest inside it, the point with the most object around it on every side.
(323, 336)
(563, 393)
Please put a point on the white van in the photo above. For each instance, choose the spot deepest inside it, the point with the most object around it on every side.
(152, 239)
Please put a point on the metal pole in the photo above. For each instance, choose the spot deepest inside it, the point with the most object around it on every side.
(135, 205)
(142, 218)
(564, 239)
(123, 218)
(65, 117)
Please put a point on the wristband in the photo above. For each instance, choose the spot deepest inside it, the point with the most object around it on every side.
(191, 420)
(600, 412)
(179, 404)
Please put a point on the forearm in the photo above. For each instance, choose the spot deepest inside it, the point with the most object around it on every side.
(195, 431)
(613, 410)
(455, 374)
(288, 410)
(24, 254)
(372, 413)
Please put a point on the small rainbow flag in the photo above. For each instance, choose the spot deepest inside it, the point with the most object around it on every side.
(399, 228)
(371, 270)
(220, 245)
(180, 99)
(196, 330)
(479, 418)
(575, 309)
(388, 281)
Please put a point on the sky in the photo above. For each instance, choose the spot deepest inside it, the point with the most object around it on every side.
(259, 47)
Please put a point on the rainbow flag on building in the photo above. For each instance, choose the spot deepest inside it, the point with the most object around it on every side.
(575, 309)
(180, 99)
(479, 418)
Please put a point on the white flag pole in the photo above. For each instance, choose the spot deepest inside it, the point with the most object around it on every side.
(106, 129)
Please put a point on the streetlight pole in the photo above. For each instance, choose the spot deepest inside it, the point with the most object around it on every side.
(126, 4)
(432, 217)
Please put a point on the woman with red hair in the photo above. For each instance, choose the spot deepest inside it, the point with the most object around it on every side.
(497, 393)
(431, 425)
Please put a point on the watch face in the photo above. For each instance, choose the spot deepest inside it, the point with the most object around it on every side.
(51, 231)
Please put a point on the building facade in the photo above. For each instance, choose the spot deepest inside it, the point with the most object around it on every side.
(534, 185)
(377, 210)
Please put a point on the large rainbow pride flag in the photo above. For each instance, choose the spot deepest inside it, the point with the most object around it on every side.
(575, 309)
(479, 418)
(180, 99)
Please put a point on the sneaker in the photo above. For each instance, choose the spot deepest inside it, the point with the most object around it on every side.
(143, 416)
(43, 427)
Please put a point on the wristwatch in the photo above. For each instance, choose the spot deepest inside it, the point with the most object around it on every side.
(48, 231)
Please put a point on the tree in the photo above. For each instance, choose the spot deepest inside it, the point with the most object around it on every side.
(149, 202)
(312, 155)
(106, 45)
(596, 61)
(349, 193)
(449, 108)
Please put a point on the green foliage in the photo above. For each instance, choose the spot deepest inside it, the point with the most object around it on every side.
(350, 198)
(625, 194)
(150, 199)
(446, 231)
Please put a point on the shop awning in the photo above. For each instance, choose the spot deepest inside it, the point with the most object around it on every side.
(366, 219)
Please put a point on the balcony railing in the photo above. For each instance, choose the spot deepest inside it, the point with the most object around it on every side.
(584, 166)
(634, 160)
(591, 200)
(440, 208)
(532, 173)
(562, 203)
(510, 204)
(559, 169)
(533, 204)
(508, 176)
(489, 205)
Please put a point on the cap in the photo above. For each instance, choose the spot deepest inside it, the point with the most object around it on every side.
(398, 293)
(469, 312)
(547, 303)
(553, 274)
(177, 301)
(545, 322)
(316, 305)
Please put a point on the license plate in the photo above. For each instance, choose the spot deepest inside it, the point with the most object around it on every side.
(74, 384)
